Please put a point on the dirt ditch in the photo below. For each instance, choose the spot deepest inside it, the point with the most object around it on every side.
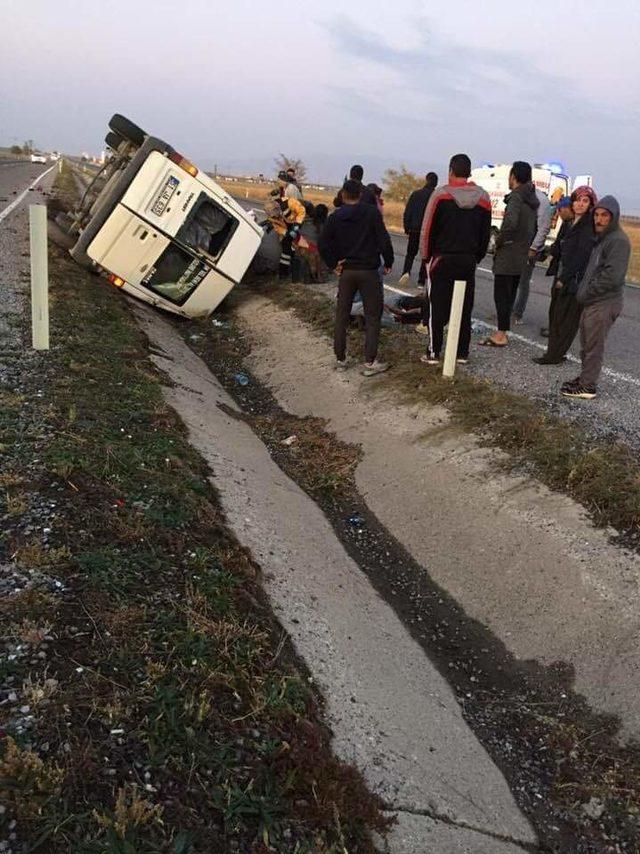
(565, 766)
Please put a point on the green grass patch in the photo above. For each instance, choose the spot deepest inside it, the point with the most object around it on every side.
(181, 720)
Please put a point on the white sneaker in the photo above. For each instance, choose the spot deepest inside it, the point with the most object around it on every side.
(426, 359)
(342, 365)
(370, 369)
(405, 279)
(422, 329)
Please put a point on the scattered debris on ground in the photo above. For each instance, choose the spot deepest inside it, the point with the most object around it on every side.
(568, 772)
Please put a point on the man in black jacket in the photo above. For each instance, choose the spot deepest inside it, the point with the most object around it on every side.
(351, 243)
(356, 173)
(412, 219)
(455, 236)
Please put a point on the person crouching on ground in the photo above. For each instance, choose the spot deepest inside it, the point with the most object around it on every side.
(286, 216)
(455, 237)
(601, 294)
(351, 243)
(575, 250)
(512, 248)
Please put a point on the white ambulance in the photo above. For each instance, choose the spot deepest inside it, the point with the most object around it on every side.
(159, 228)
(495, 180)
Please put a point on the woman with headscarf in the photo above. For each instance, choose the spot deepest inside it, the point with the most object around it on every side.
(575, 249)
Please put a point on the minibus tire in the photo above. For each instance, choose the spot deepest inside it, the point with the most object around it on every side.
(64, 220)
(127, 129)
(114, 140)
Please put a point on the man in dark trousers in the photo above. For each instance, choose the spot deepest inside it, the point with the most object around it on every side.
(601, 293)
(455, 236)
(351, 243)
(412, 219)
(512, 247)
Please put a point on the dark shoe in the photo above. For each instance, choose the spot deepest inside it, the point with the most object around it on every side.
(544, 332)
(578, 390)
(547, 360)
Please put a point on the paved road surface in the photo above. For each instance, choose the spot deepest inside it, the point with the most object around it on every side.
(623, 346)
(15, 179)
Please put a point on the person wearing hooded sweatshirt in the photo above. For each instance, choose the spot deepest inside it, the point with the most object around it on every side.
(351, 243)
(412, 220)
(601, 294)
(455, 237)
(574, 252)
(512, 247)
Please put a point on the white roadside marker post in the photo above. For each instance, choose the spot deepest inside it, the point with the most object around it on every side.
(39, 277)
(453, 334)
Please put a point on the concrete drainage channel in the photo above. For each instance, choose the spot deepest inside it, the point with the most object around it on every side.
(418, 694)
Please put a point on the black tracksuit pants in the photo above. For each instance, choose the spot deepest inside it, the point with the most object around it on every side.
(443, 272)
(413, 247)
(370, 287)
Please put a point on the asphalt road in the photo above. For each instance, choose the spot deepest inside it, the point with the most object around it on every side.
(623, 345)
(19, 182)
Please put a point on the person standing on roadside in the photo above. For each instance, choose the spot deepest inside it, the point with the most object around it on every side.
(564, 211)
(543, 223)
(351, 243)
(455, 237)
(575, 250)
(412, 220)
(601, 294)
(356, 173)
(289, 188)
(512, 247)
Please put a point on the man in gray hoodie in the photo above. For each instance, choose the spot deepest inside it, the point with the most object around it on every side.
(601, 294)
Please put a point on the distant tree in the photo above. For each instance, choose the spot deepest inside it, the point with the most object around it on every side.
(283, 163)
(27, 148)
(400, 183)
(16, 149)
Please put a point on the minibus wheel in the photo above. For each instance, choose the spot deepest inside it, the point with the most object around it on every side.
(114, 140)
(127, 129)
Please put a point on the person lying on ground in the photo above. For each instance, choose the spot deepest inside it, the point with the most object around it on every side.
(406, 309)
(601, 293)
(352, 243)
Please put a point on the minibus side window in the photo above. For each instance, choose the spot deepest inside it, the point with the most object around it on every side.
(208, 227)
(176, 274)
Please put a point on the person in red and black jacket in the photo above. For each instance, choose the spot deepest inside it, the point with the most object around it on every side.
(455, 237)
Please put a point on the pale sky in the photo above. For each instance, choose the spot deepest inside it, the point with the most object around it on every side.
(234, 83)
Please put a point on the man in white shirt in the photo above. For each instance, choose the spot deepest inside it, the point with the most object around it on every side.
(544, 214)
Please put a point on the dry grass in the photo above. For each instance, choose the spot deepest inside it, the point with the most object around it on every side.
(633, 230)
(258, 191)
(393, 211)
